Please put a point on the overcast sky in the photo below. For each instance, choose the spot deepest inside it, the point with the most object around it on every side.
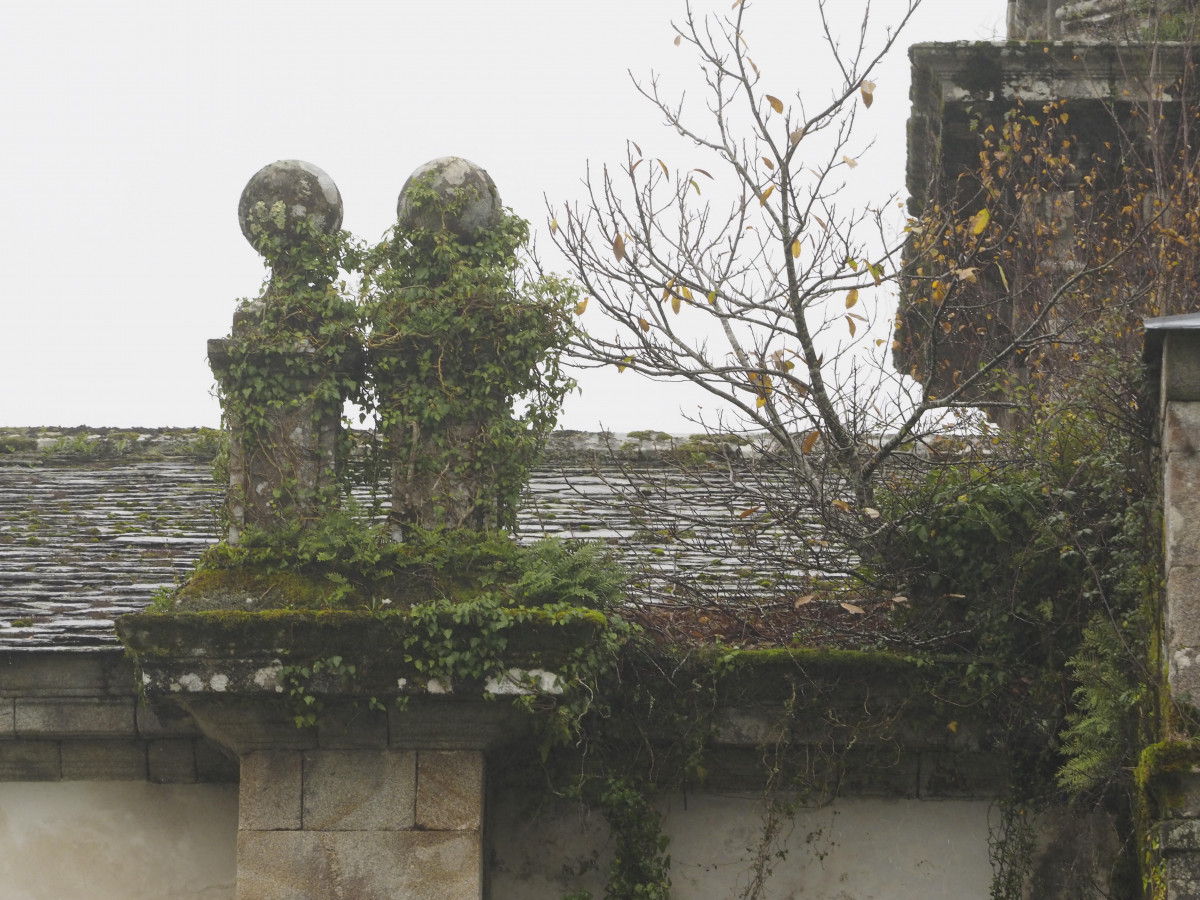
(128, 129)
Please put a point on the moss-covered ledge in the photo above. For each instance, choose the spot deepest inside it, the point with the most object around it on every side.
(291, 678)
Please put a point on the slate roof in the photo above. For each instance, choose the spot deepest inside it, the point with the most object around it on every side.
(94, 521)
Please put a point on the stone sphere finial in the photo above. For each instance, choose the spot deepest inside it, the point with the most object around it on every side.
(468, 203)
(305, 190)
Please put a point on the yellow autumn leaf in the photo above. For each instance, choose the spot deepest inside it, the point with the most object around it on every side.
(796, 248)
(581, 306)
(851, 608)
(776, 103)
(676, 303)
(810, 441)
(867, 89)
(762, 201)
(554, 226)
(760, 402)
(687, 294)
(667, 288)
(979, 221)
(852, 163)
(666, 171)
(623, 364)
(851, 299)
(853, 328)
(645, 326)
(952, 727)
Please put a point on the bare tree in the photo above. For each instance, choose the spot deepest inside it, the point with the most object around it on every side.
(751, 276)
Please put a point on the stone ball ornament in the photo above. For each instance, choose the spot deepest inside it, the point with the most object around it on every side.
(305, 190)
(468, 204)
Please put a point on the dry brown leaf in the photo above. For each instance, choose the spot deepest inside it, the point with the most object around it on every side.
(776, 103)
(851, 608)
(619, 247)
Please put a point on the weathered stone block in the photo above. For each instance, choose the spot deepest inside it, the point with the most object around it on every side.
(875, 772)
(1181, 366)
(442, 723)
(1184, 673)
(248, 726)
(370, 865)
(269, 793)
(1183, 606)
(359, 790)
(1181, 428)
(450, 790)
(357, 865)
(749, 726)
(1177, 795)
(75, 717)
(30, 761)
(1181, 508)
(171, 761)
(37, 674)
(946, 776)
(1183, 878)
(103, 760)
(214, 764)
(8, 719)
(164, 722)
(1180, 835)
(352, 727)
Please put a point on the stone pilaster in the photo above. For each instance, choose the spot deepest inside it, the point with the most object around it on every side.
(1173, 343)
(361, 823)
(384, 796)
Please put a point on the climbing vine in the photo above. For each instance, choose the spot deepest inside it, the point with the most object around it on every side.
(465, 351)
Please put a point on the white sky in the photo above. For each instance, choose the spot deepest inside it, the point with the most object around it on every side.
(128, 130)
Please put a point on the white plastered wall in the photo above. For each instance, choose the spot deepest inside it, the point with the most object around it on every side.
(117, 840)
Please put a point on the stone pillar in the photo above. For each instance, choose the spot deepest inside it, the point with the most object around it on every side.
(383, 797)
(1174, 343)
(438, 477)
(1180, 441)
(361, 823)
(287, 367)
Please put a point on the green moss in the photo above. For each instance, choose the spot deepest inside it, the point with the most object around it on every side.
(250, 590)
(1160, 761)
